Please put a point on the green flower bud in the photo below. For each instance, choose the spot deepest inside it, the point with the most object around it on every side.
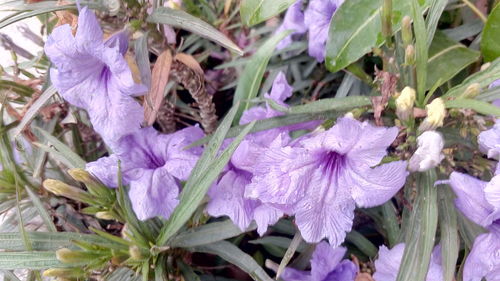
(406, 31)
(472, 91)
(62, 189)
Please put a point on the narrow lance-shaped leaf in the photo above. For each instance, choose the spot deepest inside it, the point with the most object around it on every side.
(253, 12)
(206, 234)
(181, 19)
(234, 255)
(159, 80)
(422, 230)
(482, 107)
(490, 43)
(449, 241)
(421, 49)
(435, 11)
(34, 109)
(250, 80)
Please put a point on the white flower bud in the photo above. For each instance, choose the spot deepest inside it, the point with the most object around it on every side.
(404, 103)
(429, 152)
(436, 111)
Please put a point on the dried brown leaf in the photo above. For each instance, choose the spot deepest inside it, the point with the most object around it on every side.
(66, 17)
(159, 79)
(364, 277)
(190, 62)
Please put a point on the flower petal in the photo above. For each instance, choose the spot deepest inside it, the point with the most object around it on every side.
(317, 18)
(281, 176)
(106, 170)
(471, 199)
(153, 193)
(264, 216)
(489, 141)
(226, 199)
(326, 211)
(374, 186)
(345, 271)
(341, 138)
(388, 262)
(291, 274)
(293, 20)
(325, 259)
(484, 259)
(372, 144)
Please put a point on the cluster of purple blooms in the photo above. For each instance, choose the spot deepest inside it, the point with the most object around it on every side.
(318, 178)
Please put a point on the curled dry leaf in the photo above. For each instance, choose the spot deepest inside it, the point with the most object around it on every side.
(66, 17)
(159, 79)
(387, 87)
(188, 72)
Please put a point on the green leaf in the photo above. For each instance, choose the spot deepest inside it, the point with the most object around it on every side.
(331, 104)
(421, 51)
(33, 110)
(61, 150)
(277, 241)
(390, 223)
(356, 28)
(435, 11)
(29, 260)
(234, 255)
(204, 173)
(482, 107)
(446, 59)
(450, 242)
(183, 20)
(47, 241)
(292, 248)
(362, 243)
(253, 12)
(20, 16)
(484, 78)
(142, 59)
(423, 225)
(249, 81)
(490, 45)
(206, 234)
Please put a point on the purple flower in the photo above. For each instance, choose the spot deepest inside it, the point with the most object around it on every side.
(317, 19)
(489, 141)
(152, 164)
(227, 195)
(323, 177)
(388, 263)
(93, 74)
(293, 20)
(326, 265)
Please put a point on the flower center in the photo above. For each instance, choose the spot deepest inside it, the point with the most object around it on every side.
(333, 162)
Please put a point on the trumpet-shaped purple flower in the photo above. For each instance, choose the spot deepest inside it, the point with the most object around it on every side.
(323, 177)
(293, 20)
(388, 263)
(227, 195)
(489, 141)
(317, 18)
(326, 265)
(152, 164)
(92, 74)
